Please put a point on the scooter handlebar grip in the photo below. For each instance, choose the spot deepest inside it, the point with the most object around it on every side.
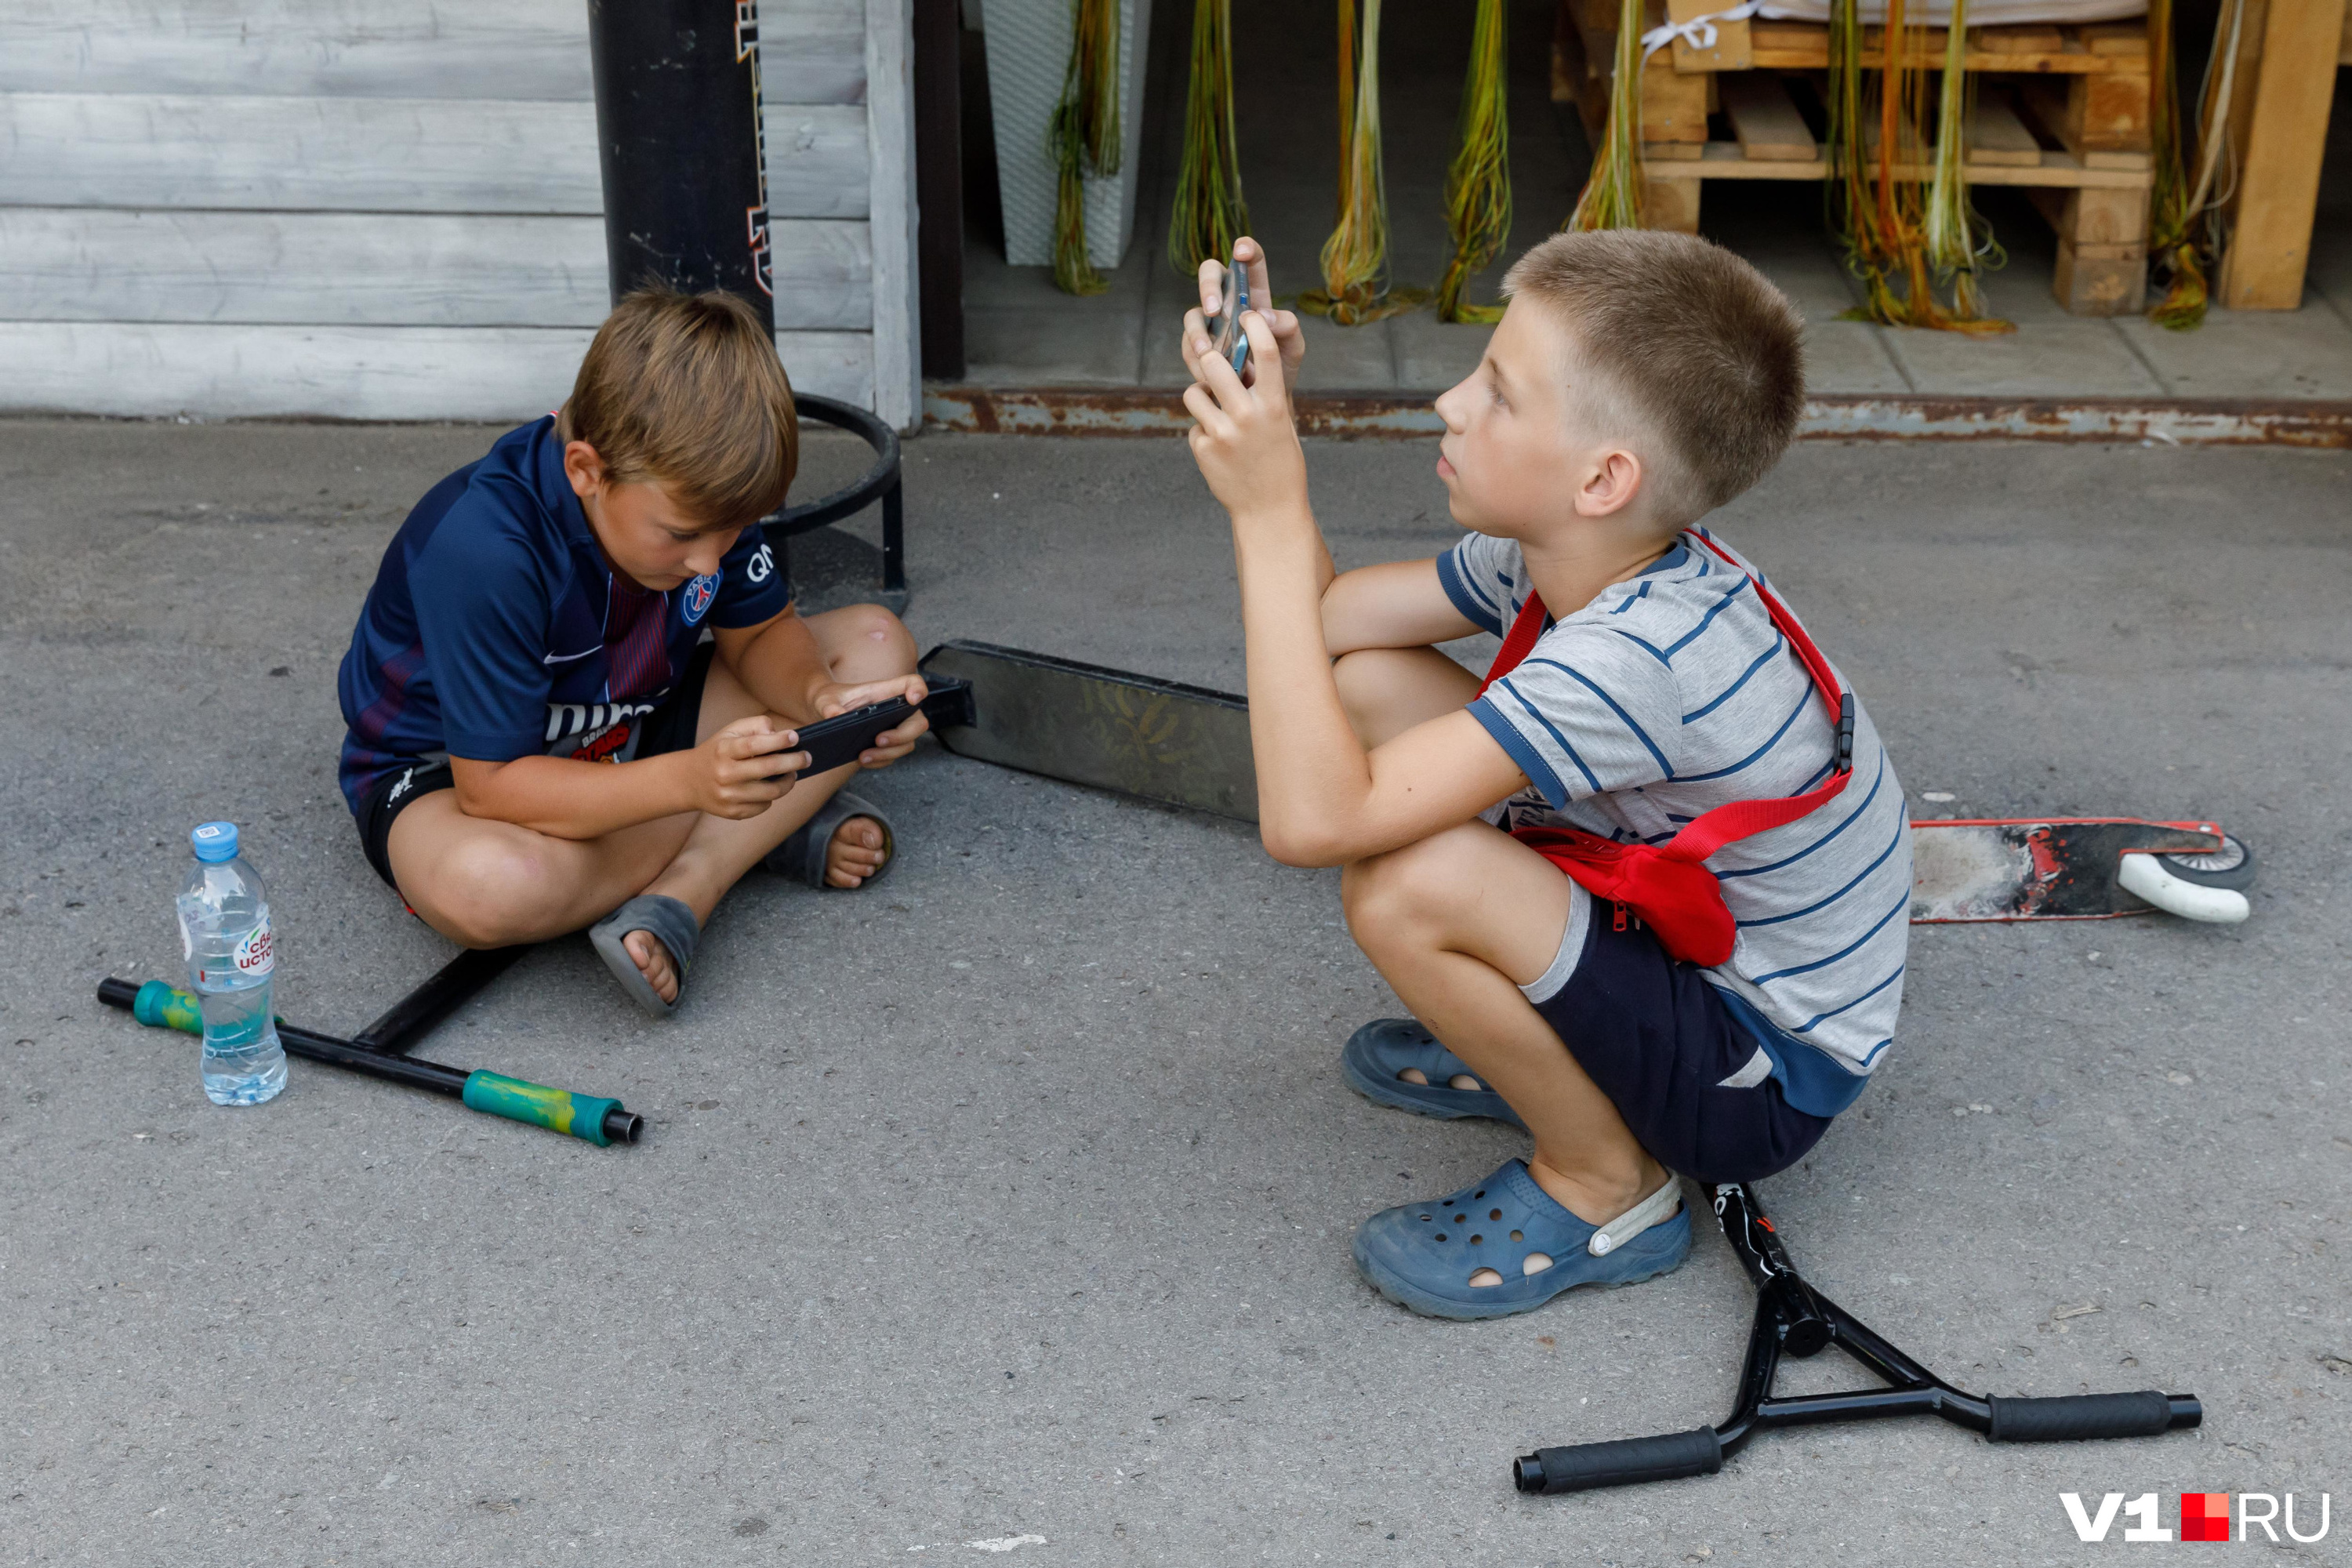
(2073, 1417)
(162, 1006)
(1624, 1462)
(557, 1110)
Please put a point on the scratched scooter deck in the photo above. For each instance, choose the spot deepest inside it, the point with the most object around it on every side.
(2051, 867)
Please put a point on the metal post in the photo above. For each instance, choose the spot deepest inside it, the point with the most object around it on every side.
(677, 127)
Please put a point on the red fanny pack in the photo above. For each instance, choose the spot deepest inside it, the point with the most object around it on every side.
(1668, 885)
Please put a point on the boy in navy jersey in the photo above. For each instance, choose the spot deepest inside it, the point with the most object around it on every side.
(1650, 677)
(541, 737)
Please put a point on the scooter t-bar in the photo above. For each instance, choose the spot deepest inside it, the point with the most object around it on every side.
(1793, 1319)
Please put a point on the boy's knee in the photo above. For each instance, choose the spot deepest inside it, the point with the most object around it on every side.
(491, 893)
(873, 641)
(1387, 896)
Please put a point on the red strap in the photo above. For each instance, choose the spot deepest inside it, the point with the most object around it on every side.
(1519, 641)
(1739, 819)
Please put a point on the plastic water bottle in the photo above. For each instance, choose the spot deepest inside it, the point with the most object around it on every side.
(225, 935)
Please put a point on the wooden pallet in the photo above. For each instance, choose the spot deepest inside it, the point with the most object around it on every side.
(2062, 111)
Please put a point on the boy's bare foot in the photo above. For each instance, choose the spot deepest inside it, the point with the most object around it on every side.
(854, 854)
(653, 962)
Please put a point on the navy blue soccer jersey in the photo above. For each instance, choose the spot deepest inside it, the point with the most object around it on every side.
(497, 630)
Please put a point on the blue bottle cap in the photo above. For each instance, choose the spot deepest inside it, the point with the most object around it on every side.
(215, 842)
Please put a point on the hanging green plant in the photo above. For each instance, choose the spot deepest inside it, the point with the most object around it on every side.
(1478, 183)
(2185, 227)
(1880, 214)
(2169, 247)
(1083, 137)
(1209, 213)
(1355, 258)
(1960, 243)
(1612, 198)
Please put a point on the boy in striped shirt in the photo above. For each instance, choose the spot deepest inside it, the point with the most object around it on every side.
(1637, 381)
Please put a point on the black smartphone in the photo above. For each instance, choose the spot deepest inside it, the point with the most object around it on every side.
(1226, 326)
(832, 741)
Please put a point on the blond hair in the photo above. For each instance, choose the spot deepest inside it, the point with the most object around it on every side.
(1702, 353)
(686, 390)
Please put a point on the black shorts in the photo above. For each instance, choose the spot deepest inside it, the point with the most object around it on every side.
(1660, 1041)
(669, 728)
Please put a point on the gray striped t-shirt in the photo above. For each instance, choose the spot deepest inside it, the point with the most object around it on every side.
(1672, 694)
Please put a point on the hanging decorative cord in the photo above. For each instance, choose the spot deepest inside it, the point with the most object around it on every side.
(1083, 136)
(1613, 191)
(1478, 183)
(1355, 258)
(1879, 215)
(1960, 243)
(2185, 222)
(1209, 213)
(1612, 198)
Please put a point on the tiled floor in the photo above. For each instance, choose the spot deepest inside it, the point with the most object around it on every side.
(1021, 331)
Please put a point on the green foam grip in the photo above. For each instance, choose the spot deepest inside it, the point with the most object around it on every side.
(558, 1110)
(162, 1006)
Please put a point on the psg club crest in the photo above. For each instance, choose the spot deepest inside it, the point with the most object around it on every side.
(699, 595)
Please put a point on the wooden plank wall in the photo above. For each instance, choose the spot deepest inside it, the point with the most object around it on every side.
(390, 209)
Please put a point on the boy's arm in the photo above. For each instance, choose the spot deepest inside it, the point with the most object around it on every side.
(1323, 799)
(1400, 603)
(735, 773)
(779, 662)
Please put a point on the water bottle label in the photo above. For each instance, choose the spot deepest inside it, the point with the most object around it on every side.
(253, 955)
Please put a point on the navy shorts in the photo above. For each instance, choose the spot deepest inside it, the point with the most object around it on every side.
(669, 728)
(1659, 1040)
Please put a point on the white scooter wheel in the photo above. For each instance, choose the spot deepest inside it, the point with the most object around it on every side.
(2146, 876)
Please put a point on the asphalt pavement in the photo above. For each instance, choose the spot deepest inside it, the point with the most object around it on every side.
(1001, 1211)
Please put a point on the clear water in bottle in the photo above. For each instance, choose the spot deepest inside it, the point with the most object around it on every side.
(225, 937)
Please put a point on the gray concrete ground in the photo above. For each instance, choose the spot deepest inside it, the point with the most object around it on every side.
(1004, 1209)
(1024, 333)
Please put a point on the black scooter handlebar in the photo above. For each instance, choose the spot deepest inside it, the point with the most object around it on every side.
(2073, 1417)
(1625, 1462)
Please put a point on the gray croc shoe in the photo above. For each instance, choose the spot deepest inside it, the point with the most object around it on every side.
(671, 925)
(802, 857)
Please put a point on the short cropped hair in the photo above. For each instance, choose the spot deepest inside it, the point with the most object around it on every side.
(1691, 340)
(686, 390)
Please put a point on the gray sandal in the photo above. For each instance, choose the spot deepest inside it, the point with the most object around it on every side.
(670, 922)
(803, 856)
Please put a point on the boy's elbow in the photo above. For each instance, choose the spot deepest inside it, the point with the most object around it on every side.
(1304, 847)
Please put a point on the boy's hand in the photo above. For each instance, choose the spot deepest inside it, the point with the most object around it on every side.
(1286, 332)
(1242, 435)
(745, 767)
(891, 744)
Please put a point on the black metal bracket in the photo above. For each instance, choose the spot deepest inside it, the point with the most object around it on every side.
(879, 483)
(1793, 1319)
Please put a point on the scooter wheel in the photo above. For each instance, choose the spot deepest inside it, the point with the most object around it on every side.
(2232, 866)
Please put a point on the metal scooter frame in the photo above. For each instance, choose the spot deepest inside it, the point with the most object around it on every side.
(1793, 1319)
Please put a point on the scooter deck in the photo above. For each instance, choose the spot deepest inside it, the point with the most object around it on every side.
(1154, 739)
(2051, 867)
(1188, 747)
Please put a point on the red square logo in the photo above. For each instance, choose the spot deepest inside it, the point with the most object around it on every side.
(2204, 1516)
